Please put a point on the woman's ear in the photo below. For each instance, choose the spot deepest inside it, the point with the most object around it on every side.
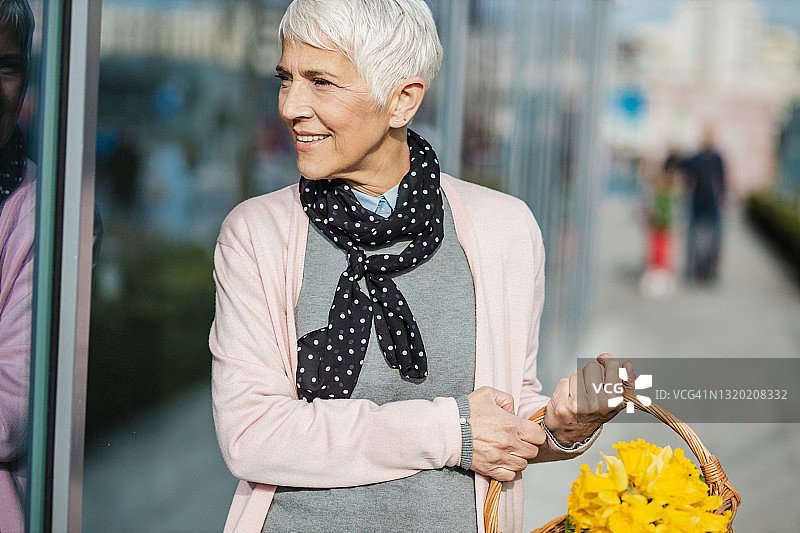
(406, 99)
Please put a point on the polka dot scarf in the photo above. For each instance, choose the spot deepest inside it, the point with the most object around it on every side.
(330, 358)
(12, 164)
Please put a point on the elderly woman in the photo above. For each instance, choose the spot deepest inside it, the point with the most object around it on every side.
(376, 330)
(17, 206)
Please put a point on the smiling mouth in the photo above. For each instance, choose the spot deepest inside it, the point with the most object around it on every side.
(311, 138)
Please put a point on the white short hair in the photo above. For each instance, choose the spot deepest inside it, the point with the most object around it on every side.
(386, 40)
(18, 14)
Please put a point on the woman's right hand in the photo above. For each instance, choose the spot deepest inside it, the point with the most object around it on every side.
(502, 442)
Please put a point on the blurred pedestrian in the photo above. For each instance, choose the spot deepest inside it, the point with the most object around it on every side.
(705, 182)
(658, 280)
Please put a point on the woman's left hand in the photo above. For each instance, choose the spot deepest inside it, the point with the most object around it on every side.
(579, 405)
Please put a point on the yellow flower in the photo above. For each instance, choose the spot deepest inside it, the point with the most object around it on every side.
(616, 472)
(644, 461)
(644, 489)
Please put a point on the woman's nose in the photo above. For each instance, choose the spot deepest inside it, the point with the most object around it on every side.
(295, 102)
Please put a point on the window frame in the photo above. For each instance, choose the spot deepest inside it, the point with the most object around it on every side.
(64, 239)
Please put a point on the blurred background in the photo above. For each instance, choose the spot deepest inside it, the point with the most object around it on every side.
(592, 111)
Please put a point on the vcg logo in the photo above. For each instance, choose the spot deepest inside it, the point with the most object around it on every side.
(644, 381)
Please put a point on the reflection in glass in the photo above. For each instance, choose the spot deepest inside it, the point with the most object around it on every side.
(17, 202)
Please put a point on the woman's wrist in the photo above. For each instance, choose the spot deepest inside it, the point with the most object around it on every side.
(466, 432)
(571, 447)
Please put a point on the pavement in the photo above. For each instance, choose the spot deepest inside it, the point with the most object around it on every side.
(159, 473)
(163, 472)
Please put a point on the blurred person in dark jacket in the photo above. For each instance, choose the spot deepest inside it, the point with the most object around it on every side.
(17, 212)
(705, 181)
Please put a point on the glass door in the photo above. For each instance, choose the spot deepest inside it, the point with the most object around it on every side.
(62, 96)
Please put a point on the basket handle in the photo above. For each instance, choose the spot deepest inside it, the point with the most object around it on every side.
(712, 470)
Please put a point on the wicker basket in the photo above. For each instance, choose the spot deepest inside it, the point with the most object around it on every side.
(712, 471)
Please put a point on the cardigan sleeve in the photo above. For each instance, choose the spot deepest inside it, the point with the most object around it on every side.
(531, 397)
(16, 293)
(266, 434)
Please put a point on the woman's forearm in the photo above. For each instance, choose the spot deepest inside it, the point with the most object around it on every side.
(269, 437)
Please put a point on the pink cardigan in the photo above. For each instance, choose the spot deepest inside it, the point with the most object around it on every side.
(16, 293)
(269, 438)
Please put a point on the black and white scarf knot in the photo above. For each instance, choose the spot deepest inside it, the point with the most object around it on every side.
(12, 164)
(330, 358)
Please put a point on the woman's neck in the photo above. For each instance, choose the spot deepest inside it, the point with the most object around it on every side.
(389, 170)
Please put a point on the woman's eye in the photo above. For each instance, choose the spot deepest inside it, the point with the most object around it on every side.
(321, 82)
(11, 68)
(285, 78)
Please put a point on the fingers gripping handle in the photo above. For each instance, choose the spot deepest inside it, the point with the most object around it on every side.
(492, 505)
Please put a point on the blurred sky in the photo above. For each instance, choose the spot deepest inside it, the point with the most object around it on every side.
(628, 14)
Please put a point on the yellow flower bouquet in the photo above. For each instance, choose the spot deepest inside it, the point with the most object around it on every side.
(644, 489)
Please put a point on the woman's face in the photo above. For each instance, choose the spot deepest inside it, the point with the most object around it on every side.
(12, 81)
(337, 129)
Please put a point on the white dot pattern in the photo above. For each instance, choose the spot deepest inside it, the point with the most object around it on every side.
(330, 358)
(12, 165)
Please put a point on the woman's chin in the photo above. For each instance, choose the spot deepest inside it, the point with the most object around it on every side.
(311, 174)
(312, 168)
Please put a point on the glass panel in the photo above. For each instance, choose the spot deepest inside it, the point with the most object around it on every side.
(530, 130)
(20, 52)
(187, 128)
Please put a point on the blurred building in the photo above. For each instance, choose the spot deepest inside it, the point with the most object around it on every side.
(718, 64)
(192, 76)
(236, 34)
(789, 157)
